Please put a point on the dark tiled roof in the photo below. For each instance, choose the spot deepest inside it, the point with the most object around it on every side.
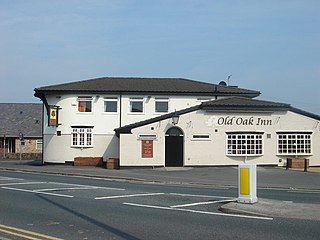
(225, 104)
(146, 85)
(241, 103)
(21, 117)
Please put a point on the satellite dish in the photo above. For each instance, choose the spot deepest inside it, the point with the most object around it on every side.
(223, 83)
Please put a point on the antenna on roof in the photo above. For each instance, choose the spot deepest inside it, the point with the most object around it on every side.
(229, 78)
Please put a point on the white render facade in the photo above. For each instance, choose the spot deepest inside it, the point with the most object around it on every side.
(132, 119)
(105, 143)
(227, 138)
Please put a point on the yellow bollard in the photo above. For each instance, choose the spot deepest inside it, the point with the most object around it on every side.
(247, 183)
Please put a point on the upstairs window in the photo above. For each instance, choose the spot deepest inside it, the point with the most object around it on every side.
(110, 104)
(244, 144)
(161, 105)
(136, 105)
(294, 143)
(82, 137)
(85, 104)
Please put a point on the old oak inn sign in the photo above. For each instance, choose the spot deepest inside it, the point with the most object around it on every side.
(243, 121)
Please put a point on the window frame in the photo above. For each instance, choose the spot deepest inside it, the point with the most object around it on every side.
(110, 99)
(237, 144)
(147, 136)
(39, 142)
(136, 100)
(201, 137)
(159, 100)
(85, 100)
(82, 137)
(291, 142)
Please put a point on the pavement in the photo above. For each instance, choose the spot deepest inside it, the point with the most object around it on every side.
(267, 177)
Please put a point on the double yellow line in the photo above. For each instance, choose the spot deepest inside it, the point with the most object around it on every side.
(18, 232)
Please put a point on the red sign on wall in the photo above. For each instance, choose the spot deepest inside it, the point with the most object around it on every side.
(147, 148)
(53, 116)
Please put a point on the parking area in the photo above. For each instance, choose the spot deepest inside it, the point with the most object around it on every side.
(167, 201)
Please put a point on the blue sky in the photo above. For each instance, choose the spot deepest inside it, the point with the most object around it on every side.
(270, 46)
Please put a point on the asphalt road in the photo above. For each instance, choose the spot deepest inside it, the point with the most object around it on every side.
(40, 206)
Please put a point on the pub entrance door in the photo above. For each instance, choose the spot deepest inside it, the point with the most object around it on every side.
(174, 147)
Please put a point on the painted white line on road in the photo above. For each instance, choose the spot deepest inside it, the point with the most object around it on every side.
(21, 183)
(9, 179)
(202, 203)
(128, 196)
(59, 189)
(308, 192)
(36, 192)
(194, 195)
(88, 186)
(200, 212)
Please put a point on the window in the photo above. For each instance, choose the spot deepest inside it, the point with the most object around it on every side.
(147, 136)
(294, 143)
(161, 105)
(110, 104)
(39, 144)
(244, 144)
(136, 105)
(85, 104)
(201, 137)
(82, 137)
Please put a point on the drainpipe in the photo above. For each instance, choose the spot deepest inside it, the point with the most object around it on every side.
(4, 146)
(120, 118)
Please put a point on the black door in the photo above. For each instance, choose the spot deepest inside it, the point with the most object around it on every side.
(174, 148)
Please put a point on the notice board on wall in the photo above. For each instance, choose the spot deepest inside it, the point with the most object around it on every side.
(147, 148)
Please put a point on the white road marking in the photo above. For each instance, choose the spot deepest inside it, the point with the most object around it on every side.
(37, 192)
(94, 187)
(9, 179)
(21, 183)
(58, 189)
(131, 195)
(193, 195)
(202, 203)
(200, 212)
(308, 192)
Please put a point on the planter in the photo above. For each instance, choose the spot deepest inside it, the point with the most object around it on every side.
(297, 163)
(88, 161)
(113, 163)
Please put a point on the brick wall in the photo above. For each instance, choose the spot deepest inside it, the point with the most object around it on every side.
(88, 161)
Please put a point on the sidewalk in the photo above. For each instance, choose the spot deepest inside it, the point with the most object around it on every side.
(268, 177)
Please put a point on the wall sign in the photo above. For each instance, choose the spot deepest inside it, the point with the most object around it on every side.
(147, 148)
(239, 121)
(53, 116)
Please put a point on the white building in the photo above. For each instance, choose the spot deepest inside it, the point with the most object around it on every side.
(131, 119)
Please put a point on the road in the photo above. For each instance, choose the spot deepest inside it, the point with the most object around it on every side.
(39, 206)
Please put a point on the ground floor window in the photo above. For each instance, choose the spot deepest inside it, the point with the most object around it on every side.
(294, 143)
(39, 144)
(244, 144)
(82, 137)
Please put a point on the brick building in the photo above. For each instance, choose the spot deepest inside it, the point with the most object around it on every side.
(21, 130)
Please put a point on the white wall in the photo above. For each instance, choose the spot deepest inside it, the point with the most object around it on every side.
(58, 148)
(213, 152)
